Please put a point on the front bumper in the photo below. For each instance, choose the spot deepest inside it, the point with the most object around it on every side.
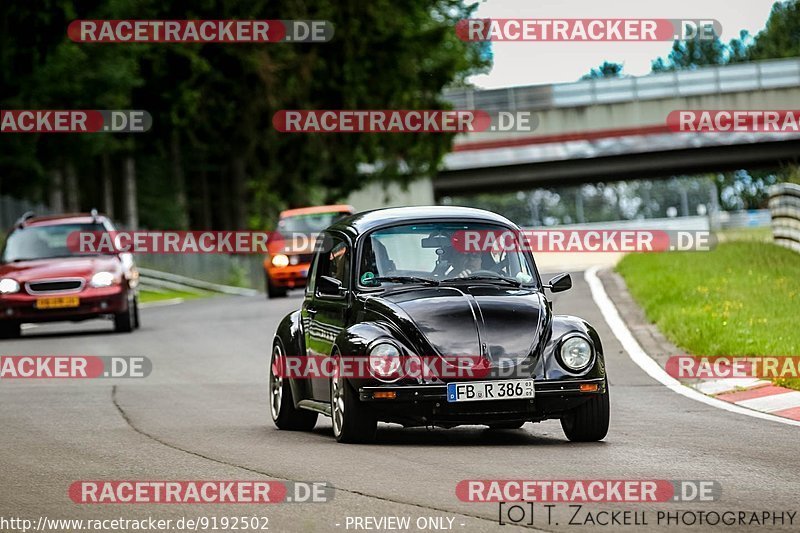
(292, 276)
(94, 302)
(428, 405)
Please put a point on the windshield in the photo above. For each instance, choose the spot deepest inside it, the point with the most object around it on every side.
(43, 242)
(309, 223)
(429, 252)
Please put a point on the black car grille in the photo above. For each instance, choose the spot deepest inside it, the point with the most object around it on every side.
(54, 286)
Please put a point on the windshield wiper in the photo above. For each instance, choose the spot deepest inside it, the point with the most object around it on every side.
(510, 281)
(405, 279)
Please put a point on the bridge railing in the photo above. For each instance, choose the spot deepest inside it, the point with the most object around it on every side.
(784, 204)
(754, 76)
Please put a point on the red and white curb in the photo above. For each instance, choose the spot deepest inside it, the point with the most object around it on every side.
(755, 394)
(655, 371)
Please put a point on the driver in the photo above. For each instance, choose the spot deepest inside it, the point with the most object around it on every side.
(465, 264)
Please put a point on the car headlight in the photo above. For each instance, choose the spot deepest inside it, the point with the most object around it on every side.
(8, 286)
(576, 353)
(280, 260)
(384, 361)
(102, 279)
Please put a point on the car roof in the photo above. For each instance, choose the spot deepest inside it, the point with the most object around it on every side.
(335, 208)
(68, 218)
(368, 220)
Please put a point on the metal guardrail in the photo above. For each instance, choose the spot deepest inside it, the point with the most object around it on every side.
(753, 76)
(784, 204)
(166, 280)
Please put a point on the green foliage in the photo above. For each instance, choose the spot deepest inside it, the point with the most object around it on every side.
(212, 149)
(606, 70)
(781, 36)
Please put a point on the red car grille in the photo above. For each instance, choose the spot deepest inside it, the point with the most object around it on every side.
(54, 286)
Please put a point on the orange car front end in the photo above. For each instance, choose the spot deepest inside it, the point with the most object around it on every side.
(288, 261)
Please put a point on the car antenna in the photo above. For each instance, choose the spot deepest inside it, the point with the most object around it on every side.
(94, 214)
(21, 220)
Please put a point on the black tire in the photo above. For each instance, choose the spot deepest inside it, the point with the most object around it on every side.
(353, 421)
(507, 425)
(273, 291)
(10, 330)
(124, 321)
(281, 403)
(136, 321)
(589, 421)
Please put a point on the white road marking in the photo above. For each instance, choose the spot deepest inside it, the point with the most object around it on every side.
(773, 402)
(718, 386)
(649, 365)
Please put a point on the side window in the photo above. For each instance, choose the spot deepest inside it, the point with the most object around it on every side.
(312, 275)
(333, 260)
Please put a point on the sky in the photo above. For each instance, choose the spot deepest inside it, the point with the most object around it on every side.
(533, 63)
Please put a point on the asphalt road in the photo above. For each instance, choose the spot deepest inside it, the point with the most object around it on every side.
(202, 414)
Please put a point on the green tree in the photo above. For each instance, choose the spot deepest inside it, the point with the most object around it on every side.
(606, 70)
(781, 35)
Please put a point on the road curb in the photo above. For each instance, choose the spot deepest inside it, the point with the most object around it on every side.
(617, 317)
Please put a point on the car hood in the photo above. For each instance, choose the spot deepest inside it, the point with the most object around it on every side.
(61, 267)
(502, 324)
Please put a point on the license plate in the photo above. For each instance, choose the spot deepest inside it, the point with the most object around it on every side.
(57, 302)
(474, 391)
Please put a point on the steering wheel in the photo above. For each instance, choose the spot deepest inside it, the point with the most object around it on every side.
(491, 273)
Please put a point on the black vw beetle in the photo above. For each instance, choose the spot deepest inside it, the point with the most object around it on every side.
(393, 285)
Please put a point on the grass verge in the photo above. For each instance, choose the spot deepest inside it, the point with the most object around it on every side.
(742, 298)
(149, 296)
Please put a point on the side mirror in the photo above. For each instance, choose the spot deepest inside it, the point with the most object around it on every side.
(329, 286)
(560, 283)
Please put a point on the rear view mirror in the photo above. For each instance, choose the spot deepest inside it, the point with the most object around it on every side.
(436, 241)
(560, 283)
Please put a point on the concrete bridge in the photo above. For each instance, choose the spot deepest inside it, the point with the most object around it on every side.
(612, 129)
(616, 129)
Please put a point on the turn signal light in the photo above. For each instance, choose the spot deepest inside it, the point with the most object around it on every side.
(384, 395)
(588, 387)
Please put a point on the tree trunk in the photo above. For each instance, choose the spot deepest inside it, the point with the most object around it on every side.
(108, 185)
(178, 180)
(205, 200)
(73, 193)
(131, 206)
(239, 194)
(56, 199)
(224, 204)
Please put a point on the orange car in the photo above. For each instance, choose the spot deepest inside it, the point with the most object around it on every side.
(288, 261)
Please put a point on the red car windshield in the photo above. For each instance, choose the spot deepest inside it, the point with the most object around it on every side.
(43, 242)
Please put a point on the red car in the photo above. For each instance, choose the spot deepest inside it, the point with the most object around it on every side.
(42, 279)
